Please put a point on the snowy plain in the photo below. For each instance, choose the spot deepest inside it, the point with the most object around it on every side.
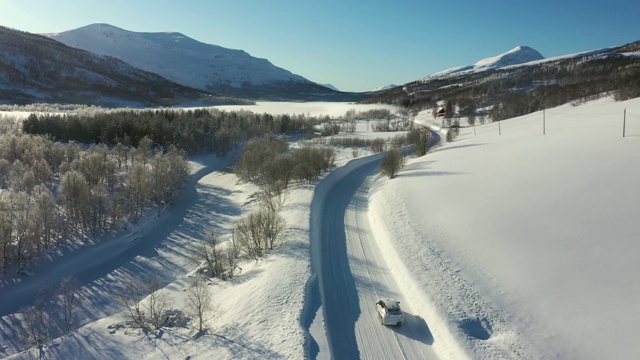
(511, 245)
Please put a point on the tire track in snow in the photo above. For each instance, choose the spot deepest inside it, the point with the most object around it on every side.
(343, 286)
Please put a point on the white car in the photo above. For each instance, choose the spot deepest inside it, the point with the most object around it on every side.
(389, 312)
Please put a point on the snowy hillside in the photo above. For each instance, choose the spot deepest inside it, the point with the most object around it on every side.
(385, 87)
(183, 60)
(516, 56)
(532, 235)
(34, 68)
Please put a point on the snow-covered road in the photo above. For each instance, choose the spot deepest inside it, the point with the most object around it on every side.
(353, 273)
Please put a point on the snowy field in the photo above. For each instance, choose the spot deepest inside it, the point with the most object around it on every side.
(531, 236)
(519, 245)
(331, 109)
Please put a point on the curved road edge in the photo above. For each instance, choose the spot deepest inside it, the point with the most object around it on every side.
(315, 294)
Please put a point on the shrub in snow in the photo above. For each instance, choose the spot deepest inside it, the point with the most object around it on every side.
(259, 231)
(218, 261)
(174, 318)
(391, 163)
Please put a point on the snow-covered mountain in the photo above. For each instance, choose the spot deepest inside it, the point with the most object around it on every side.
(516, 56)
(192, 63)
(330, 86)
(34, 68)
(385, 87)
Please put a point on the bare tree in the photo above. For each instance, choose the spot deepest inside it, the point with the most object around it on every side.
(6, 230)
(131, 297)
(142, 152)
(391, 163)
(73, 151)
(35, 329)
(169, 171)
(278, 174)
(41, 171)
(138, 188)
(45, 217)
(199, 301)
(4, 173)
(74, 193)
(259, 231)
(121, 153)
(452, 134)
(69, 299)
(419, 138)
(212, 255)
(220, 261)
(377, 145)
(22, 225)
(449, 111)
(157, 302)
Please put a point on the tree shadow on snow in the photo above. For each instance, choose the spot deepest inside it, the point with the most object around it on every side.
(239, 346)
(447, 148)
(427, 173)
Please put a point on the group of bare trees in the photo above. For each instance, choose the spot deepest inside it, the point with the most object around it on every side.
(393, 123)
(145, 303)
(259, 231)
(266, 162)
(52, 192)
(147, 306)
(53, 314)
(394, 160)
(219, 258)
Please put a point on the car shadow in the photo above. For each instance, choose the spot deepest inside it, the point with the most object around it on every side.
(415, 328)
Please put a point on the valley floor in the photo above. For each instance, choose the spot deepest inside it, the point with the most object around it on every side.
(511, 245)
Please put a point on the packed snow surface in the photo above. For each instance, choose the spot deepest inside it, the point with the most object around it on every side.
(542, 228)
(511, 245)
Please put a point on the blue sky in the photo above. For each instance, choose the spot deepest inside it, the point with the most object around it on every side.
(354, 45)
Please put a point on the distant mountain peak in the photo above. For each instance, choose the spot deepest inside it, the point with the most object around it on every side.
(385, 87)
(519, 55)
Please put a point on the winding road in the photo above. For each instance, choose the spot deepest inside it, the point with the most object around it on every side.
(352, 273)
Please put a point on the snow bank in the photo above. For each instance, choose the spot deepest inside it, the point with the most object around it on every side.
(526, 243)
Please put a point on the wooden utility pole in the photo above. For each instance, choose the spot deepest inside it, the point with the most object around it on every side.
(624, 123)
(544, 130)
(499, 129)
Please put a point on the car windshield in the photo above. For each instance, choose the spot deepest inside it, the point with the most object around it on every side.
(393, 307)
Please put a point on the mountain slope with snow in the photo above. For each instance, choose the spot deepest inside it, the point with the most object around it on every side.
(192, 63)
(516, 56)
(34, 68)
